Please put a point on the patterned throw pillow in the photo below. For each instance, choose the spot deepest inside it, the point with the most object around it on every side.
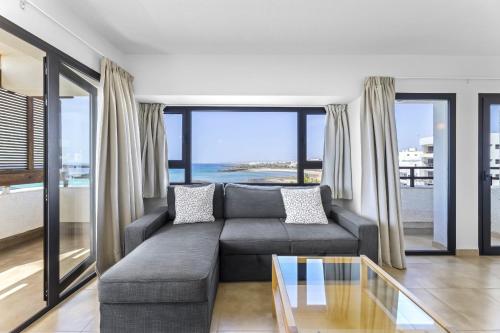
(194, 204)
(303, 206)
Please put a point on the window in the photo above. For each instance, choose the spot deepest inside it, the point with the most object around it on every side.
(425, 127)
(245, 145)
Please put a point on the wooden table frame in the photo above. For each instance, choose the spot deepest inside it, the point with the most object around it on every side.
(282, 310)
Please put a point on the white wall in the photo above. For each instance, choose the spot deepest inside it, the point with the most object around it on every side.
(285, 79)
(40, 25)
(22, 210)
(321, 79)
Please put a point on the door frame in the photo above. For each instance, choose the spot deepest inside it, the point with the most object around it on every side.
(52, 298)
(56, 285)
(451, 209)
(484, 177)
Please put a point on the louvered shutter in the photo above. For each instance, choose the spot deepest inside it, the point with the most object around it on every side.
(13, 131)
(38, 128)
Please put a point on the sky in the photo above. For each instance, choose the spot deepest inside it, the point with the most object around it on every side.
(75, 130)
(495, 118)
(413, 121)
(239, 137)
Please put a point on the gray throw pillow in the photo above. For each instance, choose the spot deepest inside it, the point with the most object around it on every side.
(303, 206)
(194, 204)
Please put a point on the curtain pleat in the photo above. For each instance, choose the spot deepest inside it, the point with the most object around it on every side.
(337, 152)
(153, 150)
(119, 185)
(381, 197)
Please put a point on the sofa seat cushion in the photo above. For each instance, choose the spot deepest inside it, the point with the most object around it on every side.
(321, 239)
(177, 264)
(254, 236)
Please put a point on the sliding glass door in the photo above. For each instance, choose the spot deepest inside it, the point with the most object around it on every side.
(489, 167)
(70, 209)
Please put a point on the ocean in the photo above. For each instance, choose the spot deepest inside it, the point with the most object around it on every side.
(215, 173)
(202, 172)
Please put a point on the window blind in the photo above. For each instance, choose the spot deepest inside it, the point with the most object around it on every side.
(38, 135)
(13, 131)
(14, 127)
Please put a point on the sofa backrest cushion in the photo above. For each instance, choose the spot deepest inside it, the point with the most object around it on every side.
(218, 200)
(250, 201)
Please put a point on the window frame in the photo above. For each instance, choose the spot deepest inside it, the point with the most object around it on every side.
(302, 113)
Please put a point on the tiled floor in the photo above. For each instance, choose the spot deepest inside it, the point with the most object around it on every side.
(464, 291)
(425, 242)
(421, 242)
(21, 276)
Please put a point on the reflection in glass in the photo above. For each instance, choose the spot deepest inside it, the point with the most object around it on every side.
(75, 171)
(339, 293)
(315, 282)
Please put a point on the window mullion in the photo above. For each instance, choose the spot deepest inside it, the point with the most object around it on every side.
(301, 145)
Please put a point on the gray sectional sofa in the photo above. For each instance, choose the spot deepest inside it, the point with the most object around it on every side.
(168, 279)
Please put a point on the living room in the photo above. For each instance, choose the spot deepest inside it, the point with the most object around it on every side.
(249, 166)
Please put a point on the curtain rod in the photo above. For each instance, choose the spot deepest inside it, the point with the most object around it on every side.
(23, 3)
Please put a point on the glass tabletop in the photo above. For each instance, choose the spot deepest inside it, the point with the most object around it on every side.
(336, 294)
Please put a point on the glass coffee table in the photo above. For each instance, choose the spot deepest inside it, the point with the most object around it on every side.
(344, 294)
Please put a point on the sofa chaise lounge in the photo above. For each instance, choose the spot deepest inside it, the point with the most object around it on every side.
(168, 279)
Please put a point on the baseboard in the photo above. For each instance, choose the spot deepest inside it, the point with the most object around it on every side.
(20, 238)
(467, 253)
(438, 246)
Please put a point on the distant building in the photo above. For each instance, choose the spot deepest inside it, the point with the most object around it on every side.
(495, 157)
(425, 158)
(413, 157)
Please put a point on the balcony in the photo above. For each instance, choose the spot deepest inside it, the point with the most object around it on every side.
(21, 257)
(418, 209)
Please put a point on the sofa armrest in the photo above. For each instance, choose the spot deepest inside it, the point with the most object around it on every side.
(142, 228)
(364, 229)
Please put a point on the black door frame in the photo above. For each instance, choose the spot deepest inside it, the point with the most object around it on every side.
(54, 57)
(484, 176)
(451, 230)
(56, 285)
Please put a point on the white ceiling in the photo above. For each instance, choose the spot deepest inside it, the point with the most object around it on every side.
(452, 27)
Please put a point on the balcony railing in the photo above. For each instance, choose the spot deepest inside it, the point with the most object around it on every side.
(412, 177)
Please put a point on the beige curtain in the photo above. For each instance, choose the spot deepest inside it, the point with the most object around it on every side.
(337, 152)
(381, 198)
(119, 179)
(153, 150)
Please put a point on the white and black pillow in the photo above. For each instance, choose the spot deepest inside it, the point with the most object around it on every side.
(303, 206)
(194, 204)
